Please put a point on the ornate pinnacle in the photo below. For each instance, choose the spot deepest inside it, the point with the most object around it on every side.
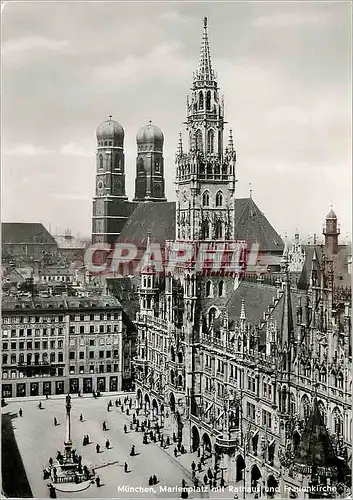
(180, 144)
(230, 141)
(242, 311)
(205, 71)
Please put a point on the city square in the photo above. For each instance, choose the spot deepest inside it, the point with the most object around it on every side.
(39, 439)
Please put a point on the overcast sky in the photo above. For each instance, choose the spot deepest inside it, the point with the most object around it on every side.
(284, 69)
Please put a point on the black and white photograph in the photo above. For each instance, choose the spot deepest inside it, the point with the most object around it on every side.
(176, 245)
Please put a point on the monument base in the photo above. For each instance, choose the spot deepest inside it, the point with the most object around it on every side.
(72, 487)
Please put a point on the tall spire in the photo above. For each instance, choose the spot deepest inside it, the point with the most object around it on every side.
(205, 71)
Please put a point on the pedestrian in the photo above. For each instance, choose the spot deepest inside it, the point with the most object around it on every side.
(205, 479)
(150, 481)
(182, 449)
(175, 452)
(122, 408)
(55, 421)
(155, 480)
(110, 403)
(222, 483)
(168, 441)
(108, 408)
(98, 448)
(125, 467)
(196, 483)
(107, 444)
(198, 452)
(104, 426)
(81, 417)
(116, 403)
(40, 405)
(119, 402)
(203, 459)
(174, 437)
(20, 412)
(127, 411)
(209, 473)
(193, 466)
(179, 446)
(125, 429)
(214, 484)
(50, 461)
(132, 452)
(199, 467)
(183, 483)
(134, 418)
(98, 481)
(52, 492)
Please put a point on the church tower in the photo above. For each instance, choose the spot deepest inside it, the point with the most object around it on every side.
(149, 184)
(110, 201)
(331, 232)
(205, 177)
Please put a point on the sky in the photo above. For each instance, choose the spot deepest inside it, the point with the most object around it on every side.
(283, 67)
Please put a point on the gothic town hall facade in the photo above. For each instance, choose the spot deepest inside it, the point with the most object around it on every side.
(253, 372)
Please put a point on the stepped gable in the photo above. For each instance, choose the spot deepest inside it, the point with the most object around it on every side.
(251, 225)
(158, 218)
(25, 232)
(315, 448)
(257, 298)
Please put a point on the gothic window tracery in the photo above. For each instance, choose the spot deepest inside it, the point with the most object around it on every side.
(218, 230)
(221, 288)
(337, 421)
(101, 162)
(199, 141)
(200, 100)
(212, 315)
(209, 289)
(210, 141)
(208, 101)
(206, 199)
(219, 199)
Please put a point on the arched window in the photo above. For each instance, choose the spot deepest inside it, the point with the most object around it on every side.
(209, 289)
(293, 406)
(210, 141)
(201, 100)
(322, 411)
(221, 288)
(323, 375)
(199, 141)
(339, 380)
(206, 199)
(180, 357)
(305, 407)
(212, 315)
(116, 162)
(101, 162)
(218, 230)
(208, 101)
(219, 199)
(205, 229)
(172, 354)
(337, 422)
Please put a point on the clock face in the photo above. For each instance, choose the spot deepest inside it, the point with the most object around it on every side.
(100, 185)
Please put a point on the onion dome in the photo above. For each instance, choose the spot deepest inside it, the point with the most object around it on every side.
(150, 135)
(111, 133)
(331, 215)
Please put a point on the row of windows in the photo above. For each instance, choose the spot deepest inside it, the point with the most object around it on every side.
(28, 345)
(59, 372)
(206, 199)
(267, 390)
(101, 369)
(266, 419)
(91, 354)
(33, 319)
(59, 318)
(32, 359)
(117, 162)
(29, 332)
(210, 289)
(94, 329)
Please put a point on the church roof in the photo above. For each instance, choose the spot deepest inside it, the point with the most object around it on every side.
(156, 218)
(251, 225)
(257, 298)
(315, 448)
(159, 218)
(25, 232)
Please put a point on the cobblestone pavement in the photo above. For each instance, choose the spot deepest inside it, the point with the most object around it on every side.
(38, 439)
